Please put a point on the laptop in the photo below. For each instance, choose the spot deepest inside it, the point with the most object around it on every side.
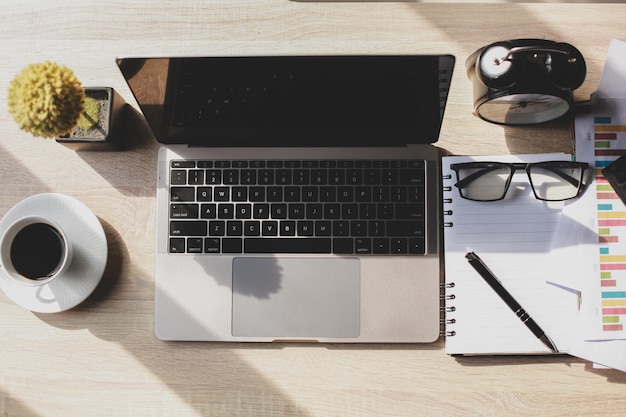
(298, 196)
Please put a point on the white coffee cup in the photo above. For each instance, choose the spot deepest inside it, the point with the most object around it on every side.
(35, 250)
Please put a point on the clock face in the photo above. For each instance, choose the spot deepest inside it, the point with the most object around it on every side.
(523, 109)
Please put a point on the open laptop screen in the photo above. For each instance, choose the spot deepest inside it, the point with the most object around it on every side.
(370, 100)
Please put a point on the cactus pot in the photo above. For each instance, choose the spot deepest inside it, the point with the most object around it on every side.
(103, 133)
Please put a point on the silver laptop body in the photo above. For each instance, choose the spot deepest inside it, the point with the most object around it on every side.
(230, 114)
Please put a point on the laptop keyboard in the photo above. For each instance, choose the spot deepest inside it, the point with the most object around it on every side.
(359, 207)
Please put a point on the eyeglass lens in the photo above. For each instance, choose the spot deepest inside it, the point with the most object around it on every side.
(489, 181)
(554, 182)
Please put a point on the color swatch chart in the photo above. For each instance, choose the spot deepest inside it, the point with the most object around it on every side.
(609, 144)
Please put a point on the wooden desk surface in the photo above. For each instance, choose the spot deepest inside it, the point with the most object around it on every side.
(102, 358)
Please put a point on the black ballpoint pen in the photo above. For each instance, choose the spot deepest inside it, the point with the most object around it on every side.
(494, 283)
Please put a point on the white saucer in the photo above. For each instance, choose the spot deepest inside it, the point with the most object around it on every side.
(89, 260)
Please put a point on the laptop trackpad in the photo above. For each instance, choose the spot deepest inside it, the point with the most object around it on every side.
(296, 297)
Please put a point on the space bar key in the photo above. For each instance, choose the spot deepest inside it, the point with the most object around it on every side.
(287, 245)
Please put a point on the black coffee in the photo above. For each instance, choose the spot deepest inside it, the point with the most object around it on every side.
(37, 251)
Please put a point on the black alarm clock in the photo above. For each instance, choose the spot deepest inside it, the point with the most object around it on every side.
(525, 81)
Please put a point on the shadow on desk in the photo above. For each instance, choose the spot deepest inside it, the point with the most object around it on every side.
(212, 378)
(134, 163)
(554, 136)
(17, 408)
(611, 375)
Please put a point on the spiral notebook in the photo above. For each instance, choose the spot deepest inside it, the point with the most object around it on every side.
(526, 243)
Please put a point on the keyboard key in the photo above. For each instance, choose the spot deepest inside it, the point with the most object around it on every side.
(362, 246)
(345, 194)
(221, 194)
(409, 211)
(252, 228)
(217, 228)
(371, 177)
(279, 211)
(296, 211)
(287, 245)
(398, 194)
(310, 194)
(283, 177)
(398, 246)
(319, 177)
(385, 211)
(183, 164)
(417, 246)
(184, 211)
(332, 211)
(301, 177)
(226, 211)
(204, 194)
(196, 177)
(328, 194)
(305, 228)
(178, 177)
(323, 228)
(405, 228)
(261, 211)
(292, 194)
(343, 246)
(194, 245)
(287, 228)
(380, 246)
(266, 177)
(358, 228)
(367, 211)
(177, 245)
(232, 245)
(239, 194)
(412, 177)
(354, 177)
(204, 164)
(274, 194)
(416, 194)
(248, 177)
(213, 177)
(337, 177)
(180, 194)
(256, 194)
(314, 211)
(188, 228)
(389, 176)
(341, 228)
(363, 194)
(376, 228)
(269, 228)
(350, 211)
(211, 245)
(234, 228)
(208, 211)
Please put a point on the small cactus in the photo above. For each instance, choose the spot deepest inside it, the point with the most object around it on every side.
(46, 99)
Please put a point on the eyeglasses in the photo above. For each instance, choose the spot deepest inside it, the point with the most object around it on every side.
(550, 181)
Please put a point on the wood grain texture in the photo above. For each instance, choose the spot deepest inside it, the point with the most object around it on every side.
(101, 358)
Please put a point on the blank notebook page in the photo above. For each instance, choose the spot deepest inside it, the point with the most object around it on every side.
(515, 238)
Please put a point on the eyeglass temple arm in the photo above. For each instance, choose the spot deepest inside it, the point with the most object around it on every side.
(476, 175)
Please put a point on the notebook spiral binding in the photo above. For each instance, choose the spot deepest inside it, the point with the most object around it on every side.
(447, 200)
(447, 296)
(447, 321)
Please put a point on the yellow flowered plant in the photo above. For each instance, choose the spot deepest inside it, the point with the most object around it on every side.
(46, 99)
